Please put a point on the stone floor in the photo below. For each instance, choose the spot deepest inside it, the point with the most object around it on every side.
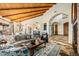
(66, 48)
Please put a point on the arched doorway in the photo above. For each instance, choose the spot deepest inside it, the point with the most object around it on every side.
(54, 28)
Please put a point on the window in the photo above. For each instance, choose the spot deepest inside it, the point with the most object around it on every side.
(45, 26)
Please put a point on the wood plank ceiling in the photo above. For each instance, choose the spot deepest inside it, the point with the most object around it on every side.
(18, 12)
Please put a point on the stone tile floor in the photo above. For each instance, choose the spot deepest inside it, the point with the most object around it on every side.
(66, 48)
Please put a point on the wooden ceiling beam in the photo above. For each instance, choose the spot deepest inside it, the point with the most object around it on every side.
(27, 18)
(28, 15)
(24, 13)
(25, 8)
(20, 11)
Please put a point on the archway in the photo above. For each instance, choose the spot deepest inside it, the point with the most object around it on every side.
(54, 28)
(56, 18)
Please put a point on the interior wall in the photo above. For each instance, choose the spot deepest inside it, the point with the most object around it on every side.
(65, 8)
(31, 22)
(4, 20)
(60, 29)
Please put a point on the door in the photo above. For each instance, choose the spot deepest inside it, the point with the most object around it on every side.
(66, 26)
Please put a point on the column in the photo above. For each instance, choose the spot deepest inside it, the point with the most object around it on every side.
(75, 29)
(12, 27)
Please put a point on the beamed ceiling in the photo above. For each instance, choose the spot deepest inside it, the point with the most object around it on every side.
(18, 12)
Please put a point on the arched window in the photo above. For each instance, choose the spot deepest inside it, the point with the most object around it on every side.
(45, 26)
